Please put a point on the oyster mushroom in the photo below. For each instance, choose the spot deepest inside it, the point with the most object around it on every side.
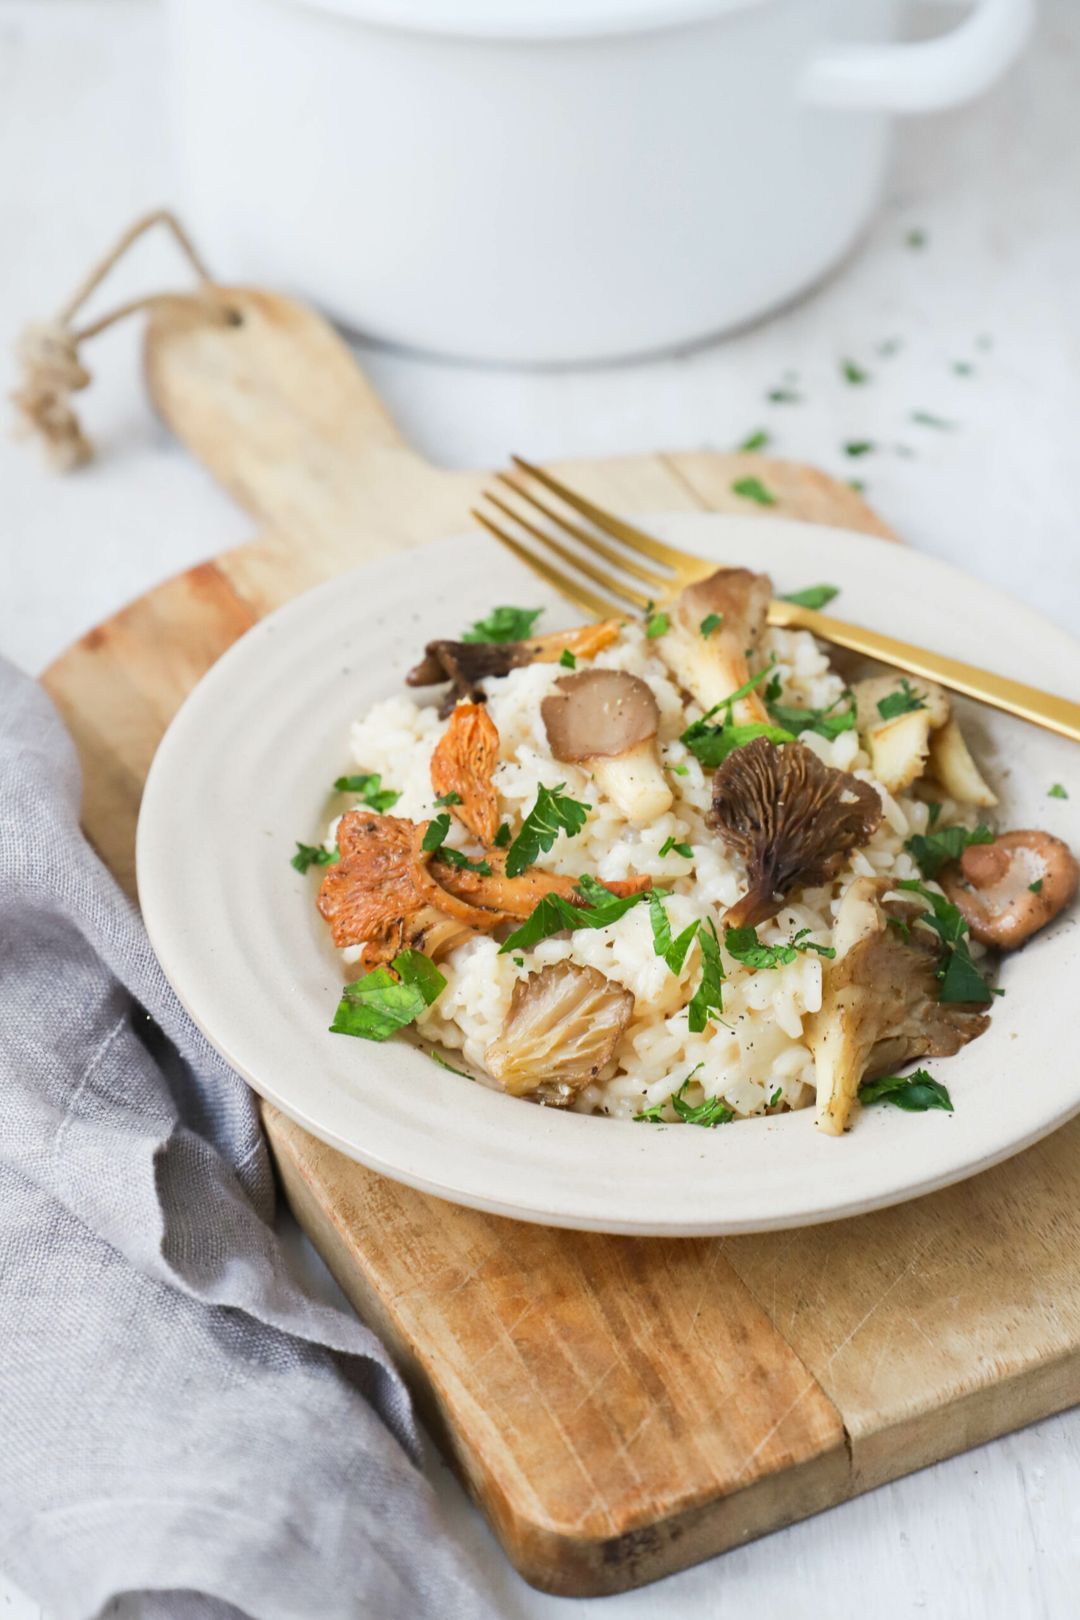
(991, 885)
(880, 1004)
(899, 745)
(463, 764)
(951, 764)
(561, 1031)
(791, 818)
(712, 666)
(466, 663)
(607, 720)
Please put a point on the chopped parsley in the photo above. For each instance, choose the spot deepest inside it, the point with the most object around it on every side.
(657, 624)
(709, 995)
(963, 368)
(857, 485)
(783, 396)
(830, 722)
(388, 998)
(437, 831)
(308, 855)
(567, 659)
(775, 1098)
(711, 622)
(916, 239)
(755, 441)
(931, 851)
(859, 447)
(713, 1111)
(1057, 792)
(814, 596)
(679, 770)
(928, 419)
(744, 946)
(504, 835)
(448, 798)
(504, 624)
(853, 373)
(711, 744)
(670, 844)
(370, 788)
(890, 347)
(554, 812)
(752, 489)
(437, 1057)
(916, 1093)
(934, 810)
(673, 951)
(432, 842)
(519, 961)
(960, 980)
(1036, 887)
(600, 909)
(905, 701)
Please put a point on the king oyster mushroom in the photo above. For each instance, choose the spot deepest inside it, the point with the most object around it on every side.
(951, 764)
(1011, 888)
(898, 744)
(880, 1004)
(560, 1033)
(791, 818)
(466, 663)
(606, 720)
(711, 663)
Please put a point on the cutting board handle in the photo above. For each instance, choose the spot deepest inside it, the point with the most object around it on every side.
(270, 399)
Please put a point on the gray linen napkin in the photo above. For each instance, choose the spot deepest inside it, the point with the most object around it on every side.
(177, 1416)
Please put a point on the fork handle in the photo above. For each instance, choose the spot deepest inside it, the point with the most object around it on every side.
(1029, 702)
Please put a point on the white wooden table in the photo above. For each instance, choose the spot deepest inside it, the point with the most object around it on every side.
(996, 287)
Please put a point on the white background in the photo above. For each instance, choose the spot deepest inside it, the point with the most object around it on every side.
(996, 190)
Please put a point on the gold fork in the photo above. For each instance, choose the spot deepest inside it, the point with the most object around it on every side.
(664, 571)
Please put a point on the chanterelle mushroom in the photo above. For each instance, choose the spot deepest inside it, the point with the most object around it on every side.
(714, 625)
(463, 763)
(607, 720)
(1011, 888)
(561, 1032)
(465, 663)
(791, 818)
(880, 1004)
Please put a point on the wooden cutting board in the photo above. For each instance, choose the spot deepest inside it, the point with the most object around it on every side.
(619, 1407)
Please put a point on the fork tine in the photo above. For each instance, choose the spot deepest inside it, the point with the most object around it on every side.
(629, 593)
(579, 594)
(617, 528)
(618, 559)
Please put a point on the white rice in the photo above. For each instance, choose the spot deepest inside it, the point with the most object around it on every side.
(753, 1055)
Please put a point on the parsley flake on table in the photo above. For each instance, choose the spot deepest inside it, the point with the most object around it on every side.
(859, 447)
(600, 908)
(554, 812)
(959, 978)
(928, 419)
(905, 701)
(743, 945)
(916, 1092)
(916, 239)
(752, 489)
(1057, 792)
(709, 995)
(711, 622)
(853, 373)
(386, 999)
(933, 850)
(504, 624)
(369, 787)
(784, 396)
(309, 855)
(814, 596)
(754, 441)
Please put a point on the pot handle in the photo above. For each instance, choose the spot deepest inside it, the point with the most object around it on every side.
(928, 75)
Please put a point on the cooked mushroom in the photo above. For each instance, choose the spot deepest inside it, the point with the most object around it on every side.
(880, 1004)
(607, 720)
(791, 818)
(387, 892)
(898, 744)
(463, 764)
(951, 764)
(1011, 888)
(561, 1031)
(465, 663)
(714, 626)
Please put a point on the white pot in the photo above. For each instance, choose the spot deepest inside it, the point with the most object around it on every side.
(551, 180)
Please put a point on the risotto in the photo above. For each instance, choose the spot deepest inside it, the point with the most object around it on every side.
(686, 969)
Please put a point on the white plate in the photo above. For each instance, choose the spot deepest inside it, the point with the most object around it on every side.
(244, 771)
